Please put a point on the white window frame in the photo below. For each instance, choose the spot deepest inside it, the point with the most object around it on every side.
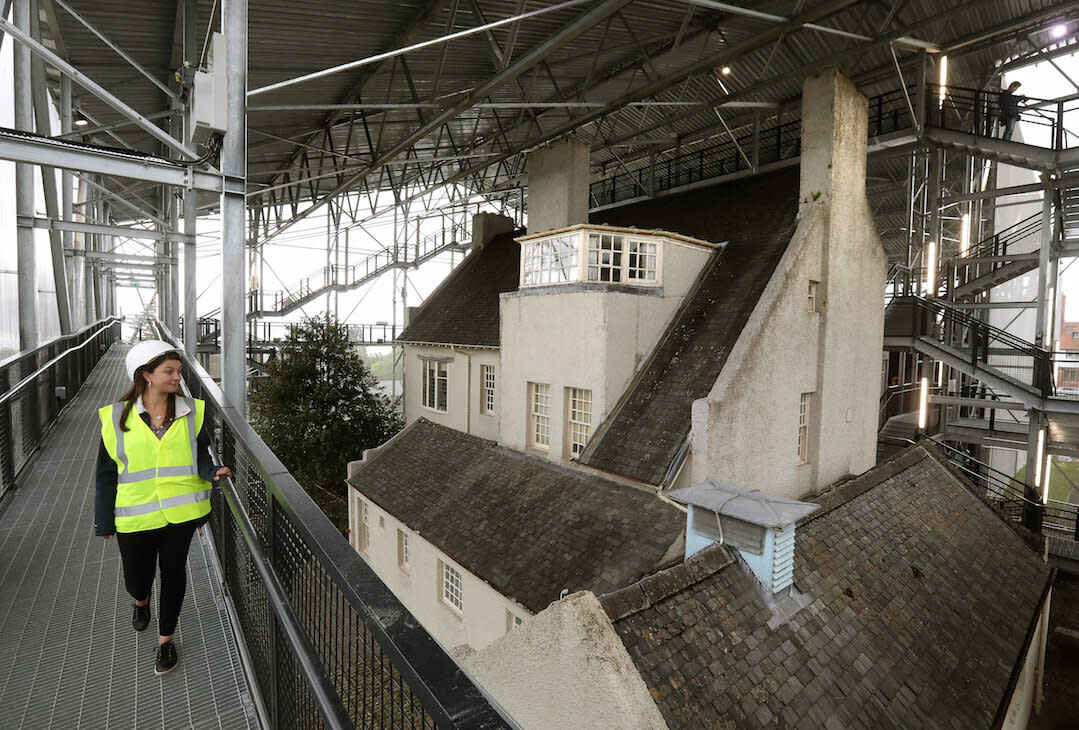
(433, 398)
(487, 389)
(402, 550)
(451, 586)
(578, 420)
(539, 415)
(363, 531)
(803, 427)
(638, 251)
(606, 253)
(812, 304)
(553, 260)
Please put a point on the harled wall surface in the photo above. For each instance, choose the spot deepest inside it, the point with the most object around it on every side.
(584, 336)
(464, 408)
(746, 431)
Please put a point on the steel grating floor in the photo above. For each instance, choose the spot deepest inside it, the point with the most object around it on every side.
(68, 655)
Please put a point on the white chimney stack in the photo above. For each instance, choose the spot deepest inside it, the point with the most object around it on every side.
(759, 526)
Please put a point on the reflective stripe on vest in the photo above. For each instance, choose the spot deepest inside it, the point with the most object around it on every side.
(148, 507)
(128, 477)
(165, 486)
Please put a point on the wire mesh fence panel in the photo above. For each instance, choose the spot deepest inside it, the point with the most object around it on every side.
(35, 385)
(371, 688)
(302, 597)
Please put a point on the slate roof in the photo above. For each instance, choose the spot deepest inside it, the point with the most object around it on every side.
(463, 310)
(756, 217)
(527, 526)
(919, 601)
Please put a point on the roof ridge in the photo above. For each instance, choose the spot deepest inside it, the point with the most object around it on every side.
(658, 586)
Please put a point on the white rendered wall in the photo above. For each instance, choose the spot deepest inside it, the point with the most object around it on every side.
(484, 615)
(746, 431)
(569, 336)
(464, 388)
(558, 185)
(1026, 697)
(566, 668)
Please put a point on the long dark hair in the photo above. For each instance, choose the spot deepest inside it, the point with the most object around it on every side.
(138, 387)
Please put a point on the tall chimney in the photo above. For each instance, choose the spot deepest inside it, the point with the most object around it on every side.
(759, 526)
(558, 185)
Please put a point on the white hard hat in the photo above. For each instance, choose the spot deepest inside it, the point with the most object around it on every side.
(142, 353)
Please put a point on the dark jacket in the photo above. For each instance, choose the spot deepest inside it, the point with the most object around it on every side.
(1009, 104)
(107, 476)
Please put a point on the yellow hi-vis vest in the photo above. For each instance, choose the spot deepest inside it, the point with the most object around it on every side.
(158, 480)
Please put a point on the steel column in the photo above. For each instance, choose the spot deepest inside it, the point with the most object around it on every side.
(24, 189)
(48, 179)
(191, 316)
(67, 208)
(1043, 263)
(233, 205)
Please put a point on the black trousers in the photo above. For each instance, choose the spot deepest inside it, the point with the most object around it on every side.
(142, 552)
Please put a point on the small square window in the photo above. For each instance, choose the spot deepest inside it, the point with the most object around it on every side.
(513, 621)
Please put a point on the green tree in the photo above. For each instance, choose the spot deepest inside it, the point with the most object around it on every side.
(319, 407)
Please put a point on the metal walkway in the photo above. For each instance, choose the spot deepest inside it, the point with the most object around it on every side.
(68, 655)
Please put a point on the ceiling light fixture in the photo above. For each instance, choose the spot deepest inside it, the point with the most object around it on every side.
(1059, 31)
(726, 70)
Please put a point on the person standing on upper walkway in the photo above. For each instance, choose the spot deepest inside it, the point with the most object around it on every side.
(153, 485)
(1008, 102)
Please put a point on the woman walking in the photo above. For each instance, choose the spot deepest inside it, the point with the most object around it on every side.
(153, 486)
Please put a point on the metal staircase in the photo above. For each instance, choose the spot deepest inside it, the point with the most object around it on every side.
(263, 303)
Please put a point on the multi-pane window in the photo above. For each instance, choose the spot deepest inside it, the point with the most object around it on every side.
(435, 384)
(402, 549)
(539, 414)
(451, 590)
(363, 536)
(812, 296)
(604, 257)
(578, 419)
(803, 428)
(551, 260)
(641, 261)
(487, 404)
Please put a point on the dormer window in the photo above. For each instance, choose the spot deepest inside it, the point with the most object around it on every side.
(597, 254)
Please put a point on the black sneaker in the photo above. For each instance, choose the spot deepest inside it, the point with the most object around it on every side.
(140, 619)
(167, 658)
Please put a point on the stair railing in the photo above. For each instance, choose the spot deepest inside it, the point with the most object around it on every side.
(987, 347)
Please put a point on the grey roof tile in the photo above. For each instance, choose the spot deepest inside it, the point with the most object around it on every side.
(525, 525)
(463, 310)
(879, 645)
(643, 436)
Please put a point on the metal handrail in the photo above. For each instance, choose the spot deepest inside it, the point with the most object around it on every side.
(29, 379)
(447, 694)
(29, 407)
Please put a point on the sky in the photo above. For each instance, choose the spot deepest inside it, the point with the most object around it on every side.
(301, 250)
